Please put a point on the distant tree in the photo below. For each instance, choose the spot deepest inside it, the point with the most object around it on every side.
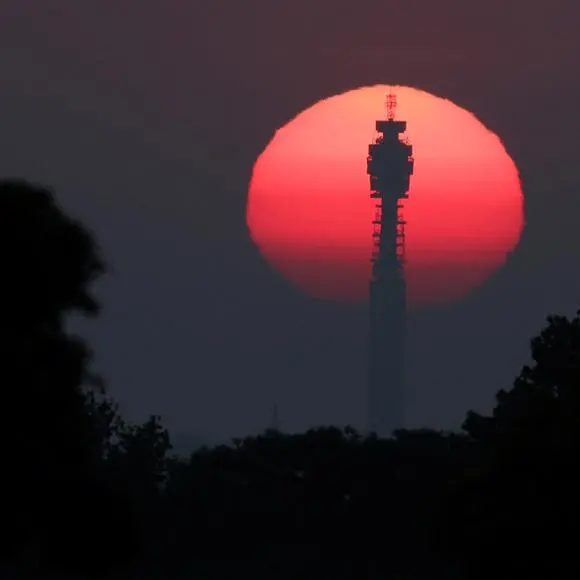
(138, 460)
(326, 503)
(49, 260)
(105, 421)
(518, 506)
(51, 485)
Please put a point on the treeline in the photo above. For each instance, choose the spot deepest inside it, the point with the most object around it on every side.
(86, 494)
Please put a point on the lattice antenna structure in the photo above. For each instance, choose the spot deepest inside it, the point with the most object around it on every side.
(275, 424)
(391, 105)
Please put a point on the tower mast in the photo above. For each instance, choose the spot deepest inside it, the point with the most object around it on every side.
(390, 166)
(275, 426)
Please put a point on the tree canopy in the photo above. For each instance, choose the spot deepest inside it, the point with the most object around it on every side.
(90, 494)
(49, 261)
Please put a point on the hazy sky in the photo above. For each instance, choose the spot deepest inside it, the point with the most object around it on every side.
(147, 116)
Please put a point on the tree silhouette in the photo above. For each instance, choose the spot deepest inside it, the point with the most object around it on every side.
(48, 261)
(86, 492)
(325, 503)
(518, 505)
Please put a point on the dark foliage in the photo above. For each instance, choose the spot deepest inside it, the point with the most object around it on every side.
(518, 506)
(51, 489)
(91, 495)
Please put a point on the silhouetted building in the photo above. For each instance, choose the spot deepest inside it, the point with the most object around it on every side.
(389, 165)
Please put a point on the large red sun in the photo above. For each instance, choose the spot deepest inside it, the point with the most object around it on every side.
(310, 213)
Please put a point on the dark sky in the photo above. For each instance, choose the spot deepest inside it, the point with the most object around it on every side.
(146, 116)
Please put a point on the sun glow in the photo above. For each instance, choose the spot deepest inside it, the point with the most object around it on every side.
(310, 214)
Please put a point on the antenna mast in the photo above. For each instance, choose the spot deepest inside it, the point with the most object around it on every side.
(275, 419)
(391, 105)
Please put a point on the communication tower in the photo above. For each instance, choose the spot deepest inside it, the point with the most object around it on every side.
(390, 166)
(275, 423)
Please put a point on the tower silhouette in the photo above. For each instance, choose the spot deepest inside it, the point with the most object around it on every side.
(275, 422)
(390, 166)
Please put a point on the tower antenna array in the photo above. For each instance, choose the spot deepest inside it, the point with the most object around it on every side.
(391, 106)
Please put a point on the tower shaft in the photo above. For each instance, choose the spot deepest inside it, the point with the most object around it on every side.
(389, 165)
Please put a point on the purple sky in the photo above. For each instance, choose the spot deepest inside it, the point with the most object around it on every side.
(146, 116)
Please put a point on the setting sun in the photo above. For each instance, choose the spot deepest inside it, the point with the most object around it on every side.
(310, 214)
